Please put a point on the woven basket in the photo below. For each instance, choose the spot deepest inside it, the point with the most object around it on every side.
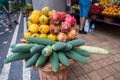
(46, 72)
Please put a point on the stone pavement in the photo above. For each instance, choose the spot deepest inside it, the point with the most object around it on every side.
(100, 67)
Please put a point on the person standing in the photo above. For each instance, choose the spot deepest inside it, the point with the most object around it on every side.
(68, 6)
(84, 10)
(5, 12)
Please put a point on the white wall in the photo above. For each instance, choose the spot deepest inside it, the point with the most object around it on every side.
(59, 5)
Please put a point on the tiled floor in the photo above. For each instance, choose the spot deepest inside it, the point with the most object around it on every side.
(100, 67)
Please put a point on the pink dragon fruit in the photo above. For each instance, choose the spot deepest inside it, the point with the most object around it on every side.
(62, 37)
(65, 27)
(72, 34)
(67, 15)
(54, 29)
(75, 27)
(55, 17)
(63, 16)
(71, 20)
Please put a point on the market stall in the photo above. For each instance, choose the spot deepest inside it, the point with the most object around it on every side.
(106, 11)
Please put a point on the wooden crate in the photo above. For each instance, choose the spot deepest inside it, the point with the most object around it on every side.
(108, 18)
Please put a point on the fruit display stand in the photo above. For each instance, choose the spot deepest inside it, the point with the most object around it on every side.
(108, 19)
(50, 44)
(106, 11)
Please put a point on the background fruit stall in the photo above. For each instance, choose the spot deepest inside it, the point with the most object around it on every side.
(106, 11)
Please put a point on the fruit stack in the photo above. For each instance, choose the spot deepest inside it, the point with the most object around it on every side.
(105, 2)
(96, 8)
(111, 10)
(76, 7)
(54, 25)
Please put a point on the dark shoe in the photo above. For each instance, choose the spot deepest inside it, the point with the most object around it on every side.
(10, 27)
(15, 22)
(82, 32)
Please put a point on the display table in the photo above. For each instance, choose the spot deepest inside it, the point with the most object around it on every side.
(108, 19)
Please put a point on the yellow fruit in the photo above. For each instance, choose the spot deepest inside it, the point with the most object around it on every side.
(33, 18)
(43, 36)
(36, 12)
(29, 23)
(43, 20)
(35, 35)
(44, 29)
(52, 36)
(27, 34)
(45, 11)
(34, 28)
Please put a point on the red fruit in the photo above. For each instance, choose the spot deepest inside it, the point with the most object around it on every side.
(54, 29)
(62, 16)
(75, 27)
(62, 37)
(65, 27)
(55, 17)
(71, 20)
(67, 15)
(72, 34)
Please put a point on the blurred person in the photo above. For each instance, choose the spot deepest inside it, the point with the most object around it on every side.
(68, 6)
(5, 12)
(28, 1)
(84, 10)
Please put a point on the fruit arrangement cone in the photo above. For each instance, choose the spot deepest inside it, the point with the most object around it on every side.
(50, 39)
(55, 25)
